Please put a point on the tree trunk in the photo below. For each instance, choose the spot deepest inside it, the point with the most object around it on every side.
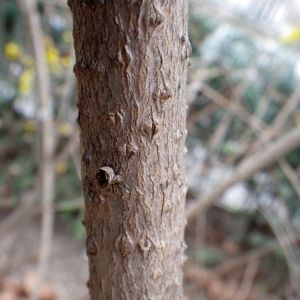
(131, 63)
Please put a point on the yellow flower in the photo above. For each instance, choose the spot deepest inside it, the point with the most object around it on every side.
(26, 81)
(65, 129)
(29, 126)
(52, 55)
(12, 51)
(292, 37)
(61, 168)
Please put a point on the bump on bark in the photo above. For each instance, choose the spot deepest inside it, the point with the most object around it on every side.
(123, 244)
(91, 245)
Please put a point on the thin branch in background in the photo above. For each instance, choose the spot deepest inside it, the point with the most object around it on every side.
(273, 131)
(283, 238)
(254, 123)
(198, 77)
(247, 168)
(288, 108)
(291, 175)
(256, 254)
(48, 139)
(247, 283)
(264, 102)
(220, 133)
(200, 235)
(70, 149)
(250, 162)
(203, 113)
(222, 129)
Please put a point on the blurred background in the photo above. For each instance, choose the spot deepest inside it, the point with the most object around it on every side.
(243, 209)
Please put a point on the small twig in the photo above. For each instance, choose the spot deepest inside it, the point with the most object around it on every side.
(255, 254)
(197, 115)
(220, 133)
(195, 84)
(284, 242)
(291, 175)
(70, 149)
(273, 131)
(288, 108)
(247, 283)
(247, 168)
(254, 123)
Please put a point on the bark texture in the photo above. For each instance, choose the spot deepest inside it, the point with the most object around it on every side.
(131, 63)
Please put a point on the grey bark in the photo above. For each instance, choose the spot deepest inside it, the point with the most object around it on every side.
(131, 63)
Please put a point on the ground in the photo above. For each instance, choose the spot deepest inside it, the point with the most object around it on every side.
(68, 269)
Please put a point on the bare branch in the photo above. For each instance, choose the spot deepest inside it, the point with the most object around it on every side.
(247, 283)
(254, 254)
(247, 168)
(47, 136)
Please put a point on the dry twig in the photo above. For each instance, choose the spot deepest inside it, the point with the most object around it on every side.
(247, 283)
(247, 168)
(47, 136)
(255, 254)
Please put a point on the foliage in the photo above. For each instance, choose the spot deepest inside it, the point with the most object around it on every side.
(19, 116)
(252, 76)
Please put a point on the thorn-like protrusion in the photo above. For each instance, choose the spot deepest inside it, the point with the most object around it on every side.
(155, 128)
(183, 38)
(144, 243)
(86, 158)
(98, 198)
(153, 17)
(123, 244)
(162, 93)
(157, 274)
(146, 129)
(149, 128)
(127, 150)
(188, 50)
(116, 118)
(92, 245)
(176, 171)
(124, 56)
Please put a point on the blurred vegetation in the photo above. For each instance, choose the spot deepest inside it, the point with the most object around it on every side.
(258, 77)
(19, 119)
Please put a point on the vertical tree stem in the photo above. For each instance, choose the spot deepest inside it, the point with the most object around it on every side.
(131, 65)
(47, 140)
